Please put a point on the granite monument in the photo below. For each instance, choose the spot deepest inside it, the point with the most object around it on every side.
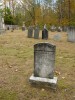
(36, 32)
(30, 32)
(44, 63)
(2, 25)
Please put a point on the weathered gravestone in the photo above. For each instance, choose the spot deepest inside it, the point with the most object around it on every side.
(59, 29)
(57, 37)
(45, 33)
(44, 63)
(13, 28)
(71, 34)
(53, 28)
(30, 32)
(23, 28)
(36, 33)
(64, 28)
(2, 26)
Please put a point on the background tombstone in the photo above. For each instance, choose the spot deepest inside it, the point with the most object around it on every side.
(45, 33)
(53, 28)
(64, 28)
(36, 32)
(30, 32)
(2, 25)
(57, 37)
(44, 61)
(12, 29)
(23, 27)
(59, 29)
(71, 34)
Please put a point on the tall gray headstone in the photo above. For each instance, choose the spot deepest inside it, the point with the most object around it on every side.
(30, 32)
(2, 25)
(44, 63)
(36, 33)
(71, 34)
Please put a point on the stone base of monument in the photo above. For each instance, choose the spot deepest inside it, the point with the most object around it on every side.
(52, 83)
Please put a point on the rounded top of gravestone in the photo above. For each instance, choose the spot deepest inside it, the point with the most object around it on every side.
(44, 47)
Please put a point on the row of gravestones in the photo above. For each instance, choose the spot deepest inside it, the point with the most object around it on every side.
(52, 28)
(59, 29)
(70, 35)
(36, 33)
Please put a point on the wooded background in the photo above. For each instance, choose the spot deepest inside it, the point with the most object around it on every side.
(32, 12)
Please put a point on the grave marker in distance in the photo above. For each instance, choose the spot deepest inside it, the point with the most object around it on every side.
(30, 32)
(45, 33)
(36, 33)
(71, 34)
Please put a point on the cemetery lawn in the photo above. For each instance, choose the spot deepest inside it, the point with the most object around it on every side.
(17, 65)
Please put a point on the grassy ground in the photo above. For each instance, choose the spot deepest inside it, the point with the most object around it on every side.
(16, 66)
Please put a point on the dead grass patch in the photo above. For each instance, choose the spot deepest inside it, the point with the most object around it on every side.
(17, 64)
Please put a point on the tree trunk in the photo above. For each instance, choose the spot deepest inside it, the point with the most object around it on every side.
(69, 12)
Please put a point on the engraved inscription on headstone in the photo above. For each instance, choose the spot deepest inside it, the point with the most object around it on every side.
(71, 34)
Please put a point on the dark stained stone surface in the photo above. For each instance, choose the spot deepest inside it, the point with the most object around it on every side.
(30, 32)
(44, 34)
(36, 33)
(44, 60)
